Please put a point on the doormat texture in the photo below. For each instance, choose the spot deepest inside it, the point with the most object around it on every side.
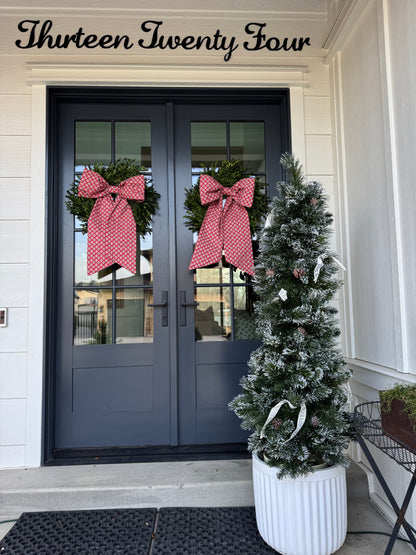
(124, 531)
(172, 531)
(206, 531)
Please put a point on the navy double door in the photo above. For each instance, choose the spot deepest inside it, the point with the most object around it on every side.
(153, 359)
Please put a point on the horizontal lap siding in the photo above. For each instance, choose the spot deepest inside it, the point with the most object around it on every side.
(15, 145)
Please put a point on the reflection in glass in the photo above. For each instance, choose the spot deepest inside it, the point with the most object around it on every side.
(77, 223)
(134, 319)
(213, 275)
(92, 316)
(247, 144)
(92, 143)
(133, 141)
(241, 277)
(244, 322)
(208, 143)
(144, 264)
(213, 315)
(81, 277)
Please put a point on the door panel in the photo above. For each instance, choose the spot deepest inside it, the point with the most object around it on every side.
(129, 371)
(112, 381)
(219, 336)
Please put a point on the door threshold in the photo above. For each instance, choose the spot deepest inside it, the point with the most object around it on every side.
(120, 455)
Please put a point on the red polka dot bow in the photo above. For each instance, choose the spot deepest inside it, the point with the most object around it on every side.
(225, 228)
(111, 225)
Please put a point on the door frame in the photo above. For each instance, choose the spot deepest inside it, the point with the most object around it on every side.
(56, 96)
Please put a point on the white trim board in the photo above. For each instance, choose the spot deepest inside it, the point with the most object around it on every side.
(167, 75)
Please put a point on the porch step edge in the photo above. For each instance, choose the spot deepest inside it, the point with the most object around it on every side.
(198, 484)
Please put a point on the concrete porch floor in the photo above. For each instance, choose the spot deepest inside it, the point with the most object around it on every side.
(192, 484)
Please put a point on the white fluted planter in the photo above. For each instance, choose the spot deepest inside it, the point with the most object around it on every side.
(301, 516)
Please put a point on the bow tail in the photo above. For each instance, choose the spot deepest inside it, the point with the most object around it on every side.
(238, 249)
(123, 230)
(98, 252)
(208, 248)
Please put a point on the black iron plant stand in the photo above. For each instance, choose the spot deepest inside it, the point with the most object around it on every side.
(368, 426)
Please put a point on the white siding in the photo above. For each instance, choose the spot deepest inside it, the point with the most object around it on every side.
(370, 198)
(15, 163)
(14, 194)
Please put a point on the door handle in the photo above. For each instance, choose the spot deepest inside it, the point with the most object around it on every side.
(183, 306)
(164, 306)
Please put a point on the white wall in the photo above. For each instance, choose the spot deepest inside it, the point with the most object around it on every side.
(15, 145)
(401, 21)
(24, 75)
(373, 81)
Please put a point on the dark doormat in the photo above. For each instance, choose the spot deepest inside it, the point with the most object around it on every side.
(209, 531)
(173, 531)
(124, 531)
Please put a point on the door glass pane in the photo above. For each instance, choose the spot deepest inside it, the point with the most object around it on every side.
(133, 141)
(241, 277)
(213, 315)
(215, 275)
(104, 277)
(244, 322)
(134, 318)
(144, 264)
(92, 316)
(92, 143)
(247, 144)
(208, 143)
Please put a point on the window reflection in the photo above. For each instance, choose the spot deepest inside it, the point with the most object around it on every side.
(132, 140)
(247, 144)
(244, 321)
(134, 318)
(213, 315)
(81, 277)
(92, 143)
(92, 316)
(144, 264)
(208, 143)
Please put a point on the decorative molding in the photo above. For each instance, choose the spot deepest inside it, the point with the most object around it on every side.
(297, 123)
(34, 403)
(167, 75)
(343, 26)
(166, 14)
(391, 161)
(375, 376)
(342, 196)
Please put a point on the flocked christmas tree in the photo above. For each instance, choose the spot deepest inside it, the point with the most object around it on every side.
(294, 396)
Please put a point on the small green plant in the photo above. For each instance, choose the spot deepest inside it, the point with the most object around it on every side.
(405, 393)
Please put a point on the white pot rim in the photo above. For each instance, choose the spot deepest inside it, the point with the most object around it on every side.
(314, 476)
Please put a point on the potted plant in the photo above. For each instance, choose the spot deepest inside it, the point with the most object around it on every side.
(398, 413)
(294, 396)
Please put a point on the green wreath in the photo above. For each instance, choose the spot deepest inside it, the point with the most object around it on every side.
(114, 174)
(227, 173)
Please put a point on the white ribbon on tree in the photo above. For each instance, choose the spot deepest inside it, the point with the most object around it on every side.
(269, 221)
(274, 410)
(320, 263)
(281, 296)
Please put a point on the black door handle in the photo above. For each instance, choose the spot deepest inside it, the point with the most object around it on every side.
(183, 305)
(164, 306)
